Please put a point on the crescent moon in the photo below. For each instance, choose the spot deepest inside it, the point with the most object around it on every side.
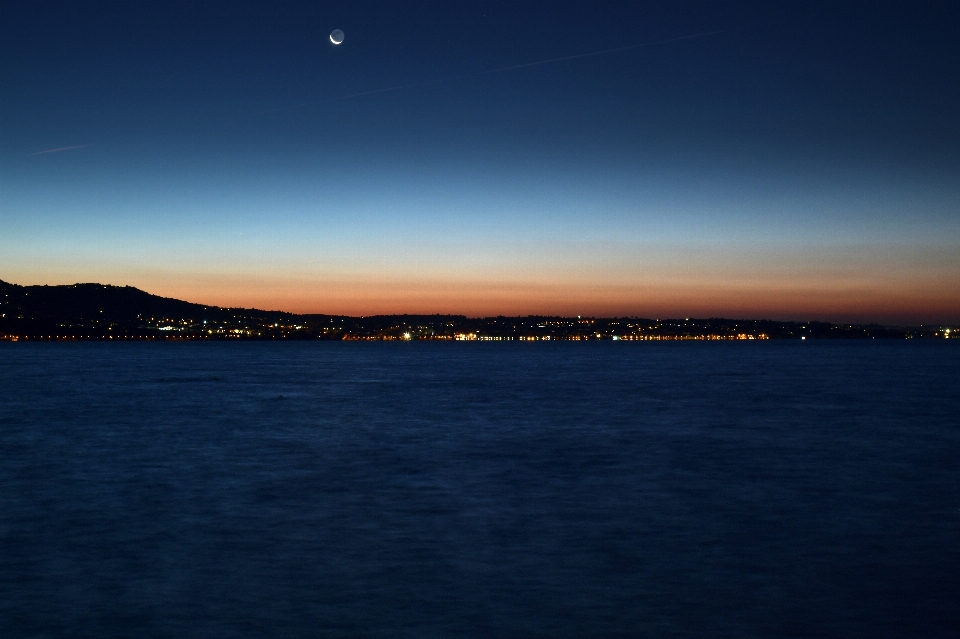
(336, 36)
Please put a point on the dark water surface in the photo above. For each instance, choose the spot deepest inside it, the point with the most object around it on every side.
(480, 490)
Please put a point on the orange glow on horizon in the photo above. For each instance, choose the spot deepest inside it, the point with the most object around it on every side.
(904, 304)
(861, 284)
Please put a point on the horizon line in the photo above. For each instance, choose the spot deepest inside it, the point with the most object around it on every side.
(690, 318)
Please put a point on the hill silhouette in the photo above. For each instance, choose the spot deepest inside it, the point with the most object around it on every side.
(99, 310)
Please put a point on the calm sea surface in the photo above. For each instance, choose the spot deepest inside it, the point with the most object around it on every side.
(779, 489)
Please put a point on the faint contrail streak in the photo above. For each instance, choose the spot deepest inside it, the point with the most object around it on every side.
(62, 148)
(530, 64)
(604, 52)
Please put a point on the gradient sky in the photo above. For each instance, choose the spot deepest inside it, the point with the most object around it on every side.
(793, 160)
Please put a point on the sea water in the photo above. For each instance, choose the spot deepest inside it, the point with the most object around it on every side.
(269, 489)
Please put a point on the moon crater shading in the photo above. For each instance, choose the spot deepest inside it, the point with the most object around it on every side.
(336, 36)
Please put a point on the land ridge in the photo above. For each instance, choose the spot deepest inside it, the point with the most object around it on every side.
(104, 312)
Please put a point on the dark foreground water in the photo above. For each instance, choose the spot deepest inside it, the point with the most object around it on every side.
(480, 490)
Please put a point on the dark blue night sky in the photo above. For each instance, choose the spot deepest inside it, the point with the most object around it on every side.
(792, 160)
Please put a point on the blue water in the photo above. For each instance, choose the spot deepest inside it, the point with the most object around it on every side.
(789, 489)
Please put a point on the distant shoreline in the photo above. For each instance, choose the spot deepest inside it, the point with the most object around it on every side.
(113, 313)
